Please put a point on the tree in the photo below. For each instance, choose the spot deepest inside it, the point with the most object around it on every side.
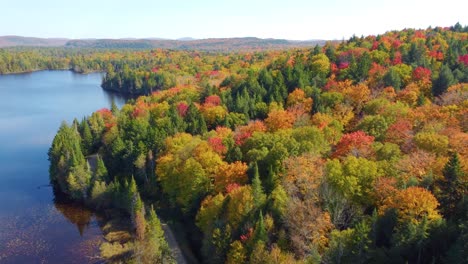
(101, 170)
(320, 65)
(156, 249)
(138, 214)
(351, 245)
(453, 187)
(354, 178)
(78, 182)
(88, 141)
(392, 78)
(185, 170)
(432, 142)
(375, 126)
(237, 253)
(257, 188)
(413, 204)
(68, 167)
(357, 143)
(297, 101)
(230, 173)
(279, 119)
(195, 121)
(302, 177)
(100, 195)
(442, 82)
(308, 227)
(260, 233)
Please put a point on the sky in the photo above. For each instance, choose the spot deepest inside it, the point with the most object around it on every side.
(172, 19)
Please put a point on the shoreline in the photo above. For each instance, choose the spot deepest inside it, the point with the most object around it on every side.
(39, 70)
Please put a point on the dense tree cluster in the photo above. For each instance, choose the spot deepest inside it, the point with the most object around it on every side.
(354, 152)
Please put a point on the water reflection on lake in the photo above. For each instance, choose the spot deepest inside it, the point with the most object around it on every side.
(35, 227)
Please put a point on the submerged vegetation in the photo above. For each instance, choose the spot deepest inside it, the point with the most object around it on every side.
(353, 152)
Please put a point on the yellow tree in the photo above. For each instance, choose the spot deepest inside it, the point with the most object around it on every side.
(413, 205)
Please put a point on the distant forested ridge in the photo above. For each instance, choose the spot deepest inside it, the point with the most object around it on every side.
(212, 44)
(351, 152)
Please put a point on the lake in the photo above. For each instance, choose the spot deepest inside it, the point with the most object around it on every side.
(35, 227)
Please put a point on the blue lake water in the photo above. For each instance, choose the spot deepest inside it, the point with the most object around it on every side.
(34, 227)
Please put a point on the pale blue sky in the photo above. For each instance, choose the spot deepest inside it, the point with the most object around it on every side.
(291, 19)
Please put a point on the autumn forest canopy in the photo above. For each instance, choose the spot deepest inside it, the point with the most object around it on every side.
(350, 152)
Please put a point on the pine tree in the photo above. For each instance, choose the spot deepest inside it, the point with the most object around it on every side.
(444, 80)
(87, 137)
(131, 192)
(453, 187)
(317, 50)
(260, 234)
(138, 217)
(65, 155)
(114, 108)
(101, 170)
(257, 189)
(192, 119)
(392, 78)
(154, 229)
(177, 122)
(202, 126)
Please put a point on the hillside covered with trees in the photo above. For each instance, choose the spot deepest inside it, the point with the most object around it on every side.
(351, 152)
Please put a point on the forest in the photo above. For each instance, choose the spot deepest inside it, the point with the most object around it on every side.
(350, 152)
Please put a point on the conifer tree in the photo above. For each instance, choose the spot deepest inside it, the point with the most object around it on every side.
(453, 186)
(87, 137)
(156, 250)
(444, 80)
(260, 234)
(257, 188)
(101, 170)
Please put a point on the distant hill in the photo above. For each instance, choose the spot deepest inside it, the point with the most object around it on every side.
(13, 41)
(212, 44)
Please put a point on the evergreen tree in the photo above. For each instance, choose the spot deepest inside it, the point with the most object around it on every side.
(392, 78)
(453, 186)
(177, 122)
(101, 171)
(260, 235)
(156, 249)
(363, 67)
(131, 192)
(65, 156)
(444, 80)
(257, 188)
(114, 108)
(87, 142)
(330, 52)
(138, 217)
(193, 120)
(317, 50)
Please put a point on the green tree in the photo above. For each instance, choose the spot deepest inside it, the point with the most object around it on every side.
(260, 235)
(68, 167)
(156, 249)
(453, 187)
(375, 126)
(354, 177)
(257, 188)
(392, 78)
(101, 170)
(445, 80)
(88, 140)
